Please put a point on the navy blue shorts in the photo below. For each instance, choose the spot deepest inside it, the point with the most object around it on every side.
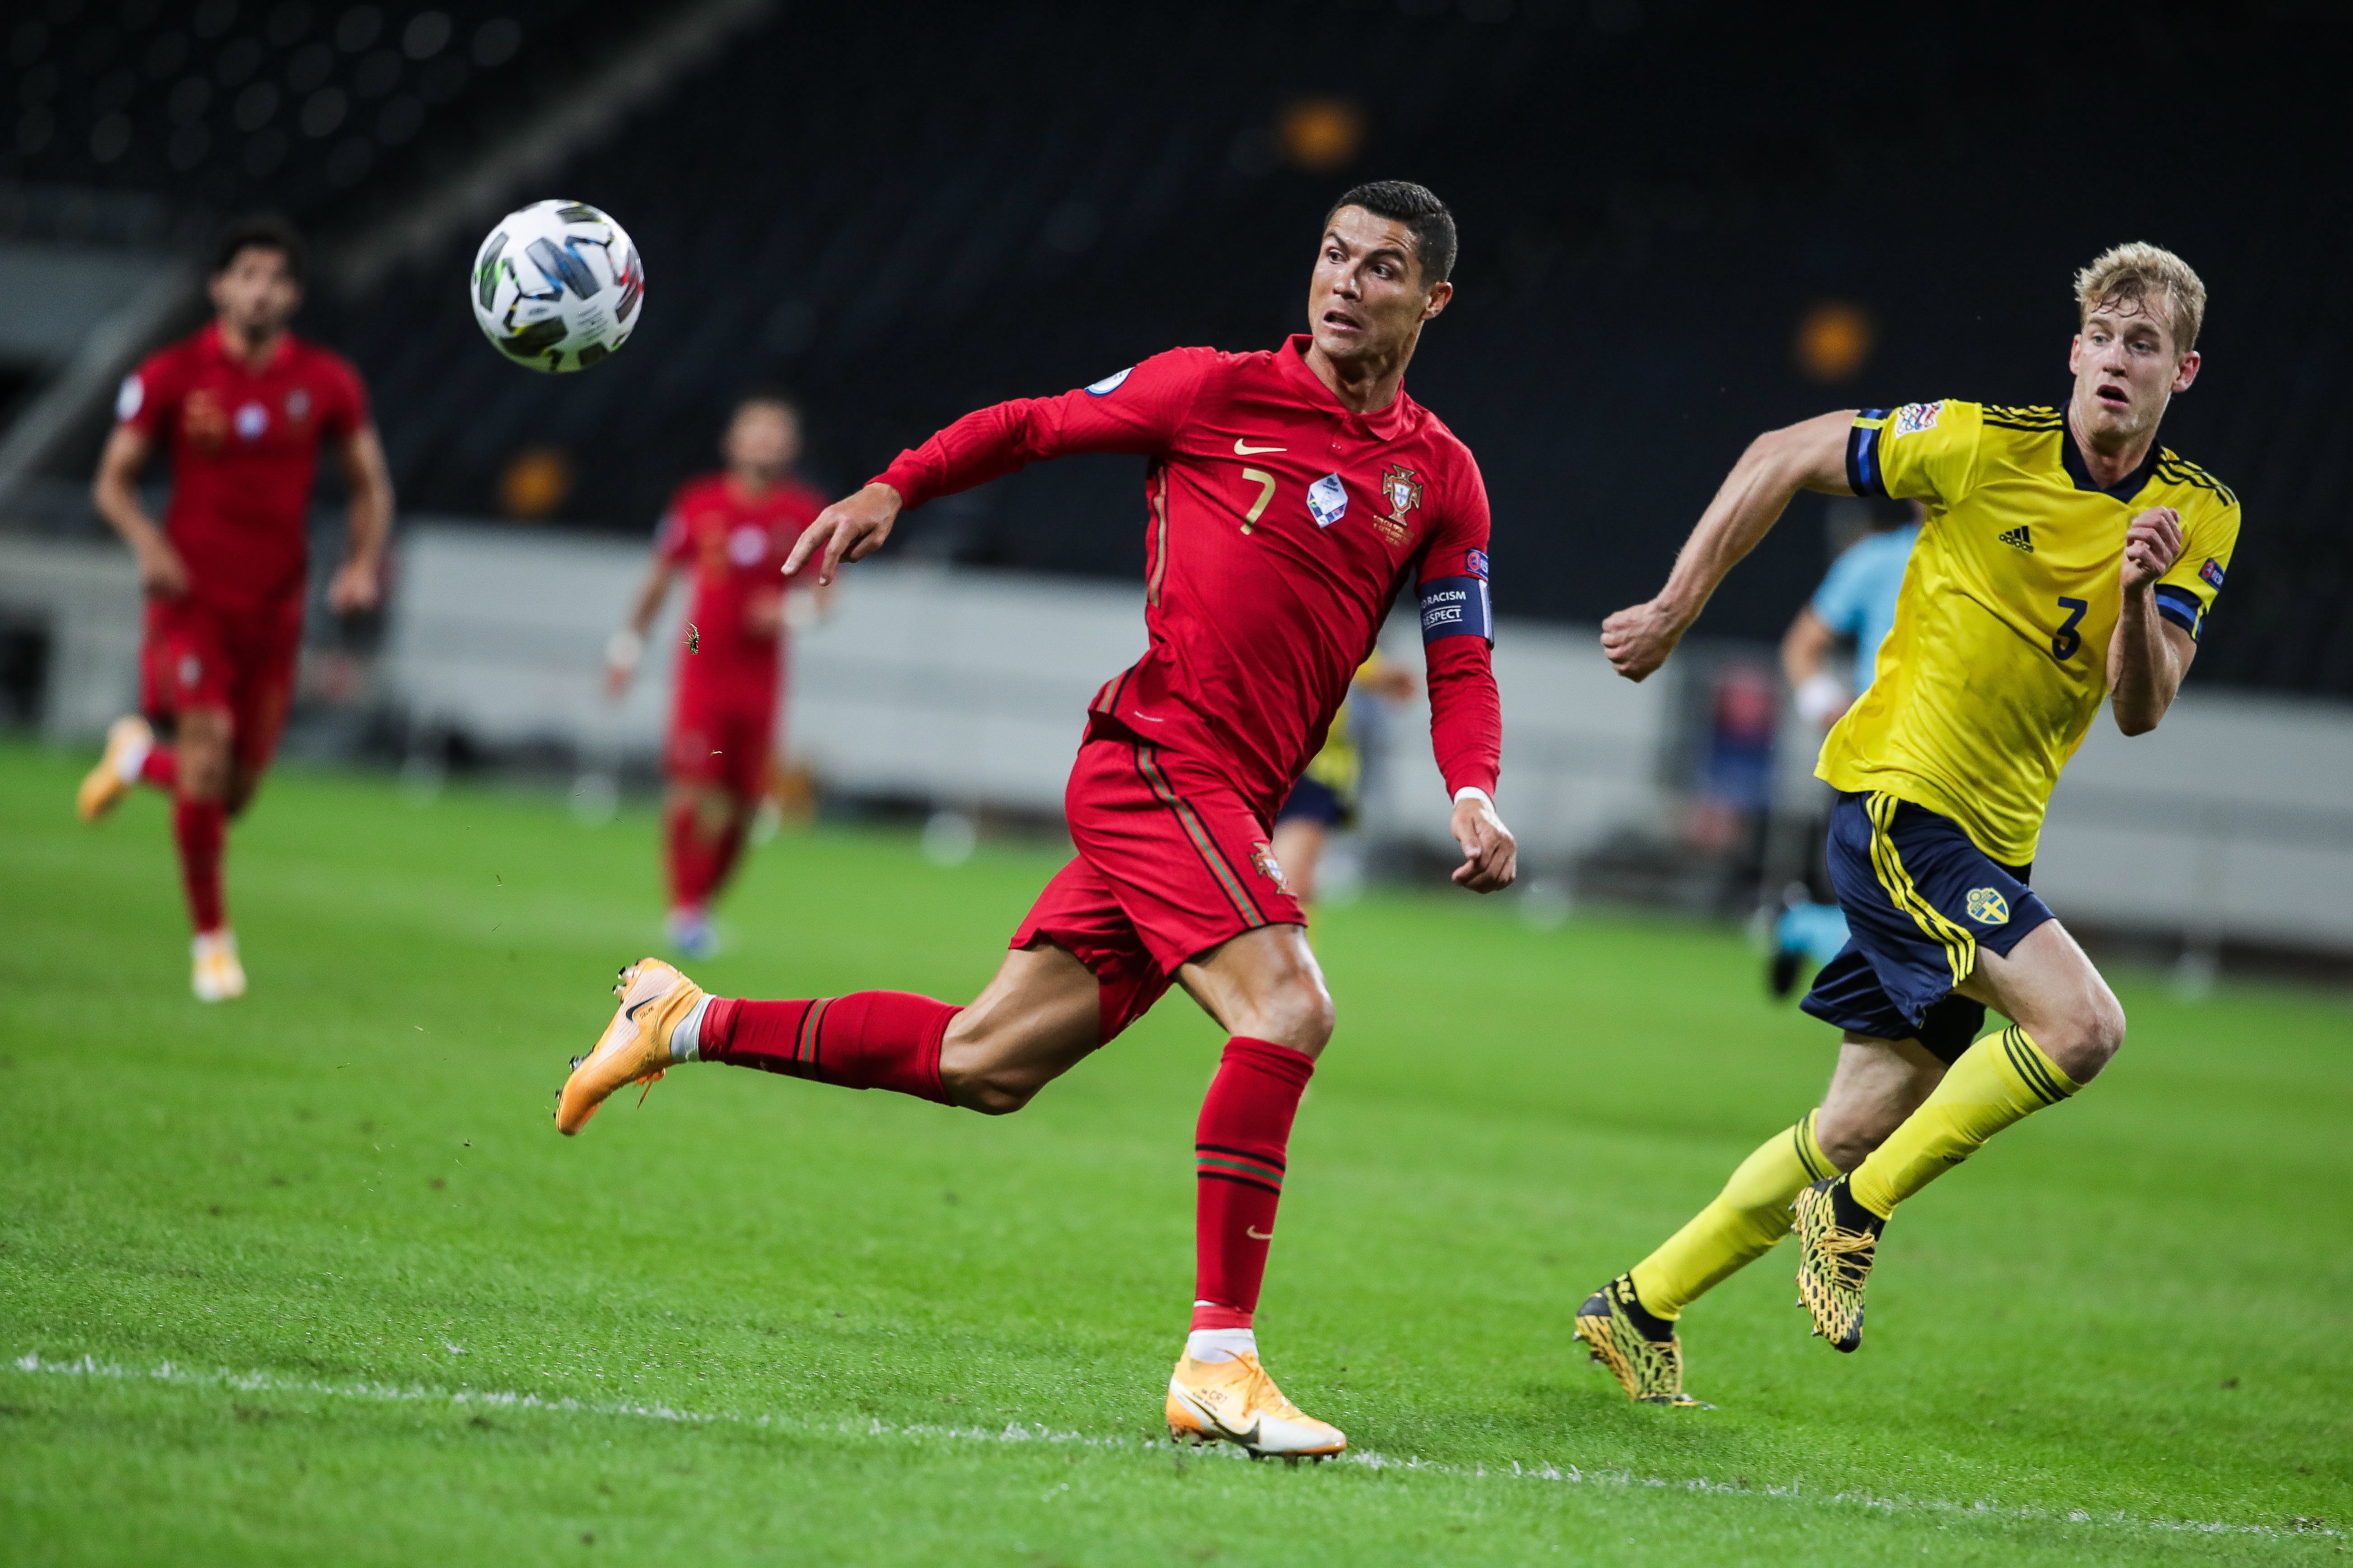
(1313, 801)
(1920, 899)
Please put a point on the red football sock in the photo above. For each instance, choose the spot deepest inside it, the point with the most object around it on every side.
(721, 855)
(869, 1039)
(1238, 1146)
(201, 827)
(690, 875)
(161, 769)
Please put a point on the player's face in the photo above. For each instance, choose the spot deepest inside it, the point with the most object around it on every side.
(1366, 298)
(764, 439)
(2126, 370)
(256, 293)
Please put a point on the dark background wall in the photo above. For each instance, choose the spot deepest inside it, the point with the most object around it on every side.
(905, 210)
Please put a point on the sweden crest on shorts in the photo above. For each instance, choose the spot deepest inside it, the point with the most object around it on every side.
(1988, 907)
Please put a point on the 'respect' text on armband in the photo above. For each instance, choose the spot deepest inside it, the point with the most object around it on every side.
(1456, 607)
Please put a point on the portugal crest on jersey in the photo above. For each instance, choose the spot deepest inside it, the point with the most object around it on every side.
(1402, 490)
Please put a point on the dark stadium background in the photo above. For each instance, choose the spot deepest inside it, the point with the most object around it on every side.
(903, 210)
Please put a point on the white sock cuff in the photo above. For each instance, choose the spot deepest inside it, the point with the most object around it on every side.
(1220, 1344)
(686, 1040)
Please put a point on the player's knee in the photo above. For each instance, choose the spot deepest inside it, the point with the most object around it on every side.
(991, 1090)
(2086, 1042)
(1848, 1139)
(1297, 1011)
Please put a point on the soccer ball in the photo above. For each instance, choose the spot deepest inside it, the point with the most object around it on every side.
(557, 286)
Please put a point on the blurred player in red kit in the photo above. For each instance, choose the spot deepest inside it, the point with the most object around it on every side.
(1292, 495)
(733, 531)
(243, 409)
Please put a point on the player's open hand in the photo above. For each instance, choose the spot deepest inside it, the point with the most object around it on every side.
(2152, 544)
(1638, 638)
(1490, 856)
(852, 529)
(161, 571)
(357, 586)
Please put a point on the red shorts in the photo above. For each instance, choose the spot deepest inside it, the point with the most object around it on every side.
(198, 654)
(1172, 862)
(721, 735)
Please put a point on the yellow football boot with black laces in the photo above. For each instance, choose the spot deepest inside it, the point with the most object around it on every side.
(1235, 1401)
(635, 1047)
(1837, 1239)
(1639, 1348)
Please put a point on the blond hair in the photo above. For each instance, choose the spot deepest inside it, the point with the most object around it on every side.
(2138, 273)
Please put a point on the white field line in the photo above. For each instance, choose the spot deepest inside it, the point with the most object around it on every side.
(1014, 1432)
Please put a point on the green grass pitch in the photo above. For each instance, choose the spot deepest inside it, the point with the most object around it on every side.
(310, 1278)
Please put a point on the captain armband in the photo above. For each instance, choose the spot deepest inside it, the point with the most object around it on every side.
(1456, 607)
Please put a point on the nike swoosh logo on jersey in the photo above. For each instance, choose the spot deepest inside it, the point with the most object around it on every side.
(1257, 1235)
(1243, 449)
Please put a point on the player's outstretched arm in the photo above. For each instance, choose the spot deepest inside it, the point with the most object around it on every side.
(2148, 655)
(852, 529)
(359, 581)
(115, 493)
(627, 648)
(1778, 465)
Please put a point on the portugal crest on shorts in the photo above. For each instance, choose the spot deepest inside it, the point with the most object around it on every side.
(1402, 490)
(1988, 907)
(1263, 862)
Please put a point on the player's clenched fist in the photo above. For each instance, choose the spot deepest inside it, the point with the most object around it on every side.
(852, 529)
(1638, 638)
(2151, 545)
(1490, 856)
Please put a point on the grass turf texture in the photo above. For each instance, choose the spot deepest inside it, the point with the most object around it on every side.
(767, 1320)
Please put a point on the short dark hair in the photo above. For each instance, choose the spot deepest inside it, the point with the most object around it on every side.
(261, 231)
(767, 397)
(1420, 211)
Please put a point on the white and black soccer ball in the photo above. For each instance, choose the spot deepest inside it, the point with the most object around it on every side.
(557, 286)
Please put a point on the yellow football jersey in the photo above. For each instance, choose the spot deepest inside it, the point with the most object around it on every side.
(1998, 659)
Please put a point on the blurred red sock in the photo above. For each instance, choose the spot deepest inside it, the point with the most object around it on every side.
(201, 827)
(161, 769)
(1239, 1151)
(689, 861)
(869, 1039)
(720, 857)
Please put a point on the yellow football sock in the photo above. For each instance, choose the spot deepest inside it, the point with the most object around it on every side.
(1740, 1226)
(2002, 1078)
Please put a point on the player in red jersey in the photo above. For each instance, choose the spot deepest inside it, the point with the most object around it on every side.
(733, 531)
(244, 408)
(1292, 495)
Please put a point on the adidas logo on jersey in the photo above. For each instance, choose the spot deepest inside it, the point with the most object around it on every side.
(2018, 537)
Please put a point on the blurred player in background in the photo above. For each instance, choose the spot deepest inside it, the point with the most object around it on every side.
(243, 409)
(1325, 799)
(1292, 494)
(2066, 559)
(733, 531)
(1854, 605)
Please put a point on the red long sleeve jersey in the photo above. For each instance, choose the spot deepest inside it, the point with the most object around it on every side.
(1281, 528)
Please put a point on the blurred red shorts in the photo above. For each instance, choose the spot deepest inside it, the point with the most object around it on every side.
(198, 654)
(1171, 863)
(723, 728)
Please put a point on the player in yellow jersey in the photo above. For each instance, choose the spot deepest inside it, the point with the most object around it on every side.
(2066, 559)
(1325, 798)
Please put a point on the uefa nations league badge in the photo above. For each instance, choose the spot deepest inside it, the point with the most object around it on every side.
(1327, 500)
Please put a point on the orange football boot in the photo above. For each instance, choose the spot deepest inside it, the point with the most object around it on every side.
(635, 1047)
(1235, 1402)
(104, 788)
